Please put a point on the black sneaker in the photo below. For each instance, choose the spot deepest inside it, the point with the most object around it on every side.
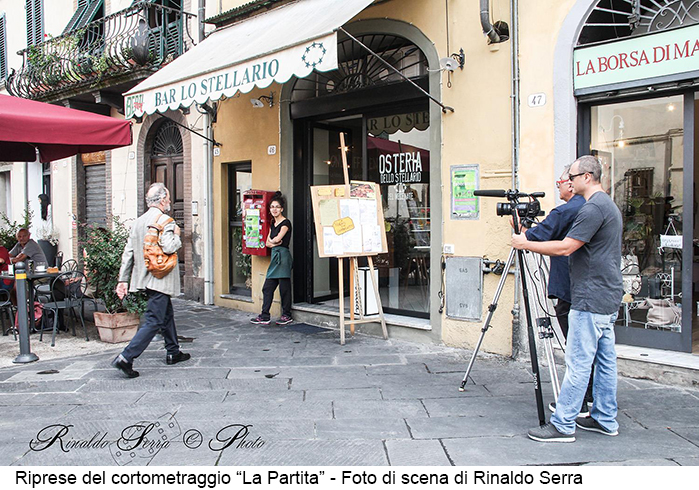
(179, 357)
(584, 410)
(588, 423)
(549, 433)
(125, 367)
(284, 320)
(258, 320)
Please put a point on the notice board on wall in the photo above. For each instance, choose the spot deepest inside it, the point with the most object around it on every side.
(349, 225)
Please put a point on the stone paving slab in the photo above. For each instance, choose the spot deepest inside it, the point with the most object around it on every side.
(350, 409)
(417, 453)
(362, 428)
(309, 453)
(343, 394)
(588, 447)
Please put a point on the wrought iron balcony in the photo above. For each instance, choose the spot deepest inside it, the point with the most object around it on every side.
(125, 46)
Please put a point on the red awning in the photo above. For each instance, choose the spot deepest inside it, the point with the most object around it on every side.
(57, 132)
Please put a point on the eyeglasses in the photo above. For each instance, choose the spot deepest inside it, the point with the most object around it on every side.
(559, 183)
(572, 176)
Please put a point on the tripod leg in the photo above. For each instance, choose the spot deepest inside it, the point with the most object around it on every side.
(532, 342)
(491, 310)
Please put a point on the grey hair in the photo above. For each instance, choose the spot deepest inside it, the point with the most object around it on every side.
(590, 165)
(566, 171)
(156, 193)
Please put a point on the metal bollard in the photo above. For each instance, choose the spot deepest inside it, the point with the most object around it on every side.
(25, 354)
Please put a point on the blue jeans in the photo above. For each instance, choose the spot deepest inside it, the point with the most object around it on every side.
(158, 316)
(590, 340)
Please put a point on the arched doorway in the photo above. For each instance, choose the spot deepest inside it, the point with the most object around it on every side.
(383, 117)
(167, 166)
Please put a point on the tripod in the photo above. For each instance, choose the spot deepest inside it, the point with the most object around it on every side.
(546, 333)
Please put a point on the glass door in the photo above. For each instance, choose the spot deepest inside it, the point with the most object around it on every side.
(644, 152)
(239, 264)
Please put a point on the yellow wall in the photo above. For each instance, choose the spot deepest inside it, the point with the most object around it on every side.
(245, 132)
(478, 132)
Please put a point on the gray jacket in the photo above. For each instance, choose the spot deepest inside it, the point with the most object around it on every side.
(133, 268)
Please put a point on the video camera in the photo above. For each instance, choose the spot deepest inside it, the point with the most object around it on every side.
(527, 211)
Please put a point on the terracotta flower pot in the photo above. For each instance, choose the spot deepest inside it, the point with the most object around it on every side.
(116, 327)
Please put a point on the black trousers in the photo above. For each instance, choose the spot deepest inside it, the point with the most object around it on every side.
(268, 295)
(562, 309)
(158, 317)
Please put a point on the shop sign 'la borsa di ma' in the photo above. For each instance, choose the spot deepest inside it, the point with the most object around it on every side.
(260, 72)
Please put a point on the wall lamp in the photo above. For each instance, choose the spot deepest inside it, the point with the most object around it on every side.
(259, 102)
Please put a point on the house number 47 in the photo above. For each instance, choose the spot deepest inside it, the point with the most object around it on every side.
(536, 100)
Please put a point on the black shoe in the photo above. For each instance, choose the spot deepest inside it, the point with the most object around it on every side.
(258, 320)
(588, 423)
(125, 367)
(549, 433)
(584, 410)
(179, 357)
(284, 320)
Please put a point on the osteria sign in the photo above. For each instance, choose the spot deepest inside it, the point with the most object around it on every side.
(669, 53)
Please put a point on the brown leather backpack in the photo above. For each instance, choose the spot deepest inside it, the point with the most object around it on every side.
(158, 263)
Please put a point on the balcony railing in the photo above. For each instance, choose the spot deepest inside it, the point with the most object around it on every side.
(123, 46)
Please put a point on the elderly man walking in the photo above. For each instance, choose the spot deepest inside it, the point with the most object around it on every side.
(594, 247)
(159, 315)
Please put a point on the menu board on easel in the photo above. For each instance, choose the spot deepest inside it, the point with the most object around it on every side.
(349, 226)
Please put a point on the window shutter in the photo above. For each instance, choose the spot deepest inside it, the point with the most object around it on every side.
(82, 5)
(3, 49)
(90, 13)
(35, 22)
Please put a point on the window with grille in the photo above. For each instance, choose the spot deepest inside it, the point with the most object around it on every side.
(35, 21)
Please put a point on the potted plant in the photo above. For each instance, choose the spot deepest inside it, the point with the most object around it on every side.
(102, 249)
(9, 229)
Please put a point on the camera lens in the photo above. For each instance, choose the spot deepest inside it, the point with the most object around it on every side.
(503, 209)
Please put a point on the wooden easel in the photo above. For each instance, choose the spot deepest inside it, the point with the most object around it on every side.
(353, 269)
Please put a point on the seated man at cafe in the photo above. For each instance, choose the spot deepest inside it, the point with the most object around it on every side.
(26, 249)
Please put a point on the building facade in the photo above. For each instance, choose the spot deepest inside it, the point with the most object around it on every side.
(84, 54)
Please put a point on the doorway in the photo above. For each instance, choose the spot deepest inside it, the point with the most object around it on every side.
(167, 167)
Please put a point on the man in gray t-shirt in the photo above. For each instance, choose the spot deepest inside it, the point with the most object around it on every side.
(594, 246)
(26, 248)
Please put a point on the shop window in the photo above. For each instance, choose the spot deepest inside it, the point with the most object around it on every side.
(640, 146)
(35, 21)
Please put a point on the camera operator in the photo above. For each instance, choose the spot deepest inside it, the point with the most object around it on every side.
(556, 227)
(594, 247)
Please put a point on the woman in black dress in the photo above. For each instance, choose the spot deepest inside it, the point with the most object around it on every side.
(279, 271)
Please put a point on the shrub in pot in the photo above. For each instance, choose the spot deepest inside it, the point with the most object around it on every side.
(102, 249)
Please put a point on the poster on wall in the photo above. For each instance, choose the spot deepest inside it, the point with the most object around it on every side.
(464, 180)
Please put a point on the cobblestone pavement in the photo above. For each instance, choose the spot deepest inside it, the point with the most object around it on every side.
(279, 396)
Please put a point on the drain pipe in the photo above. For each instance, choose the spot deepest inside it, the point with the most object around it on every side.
(208, 162)
(209, 241)
(519, 334)
(488, 29)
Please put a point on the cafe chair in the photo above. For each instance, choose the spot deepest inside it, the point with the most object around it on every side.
(67, 293)
(69, 265)
(7, 309)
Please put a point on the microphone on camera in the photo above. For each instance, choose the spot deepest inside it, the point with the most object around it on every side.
(490, 193)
